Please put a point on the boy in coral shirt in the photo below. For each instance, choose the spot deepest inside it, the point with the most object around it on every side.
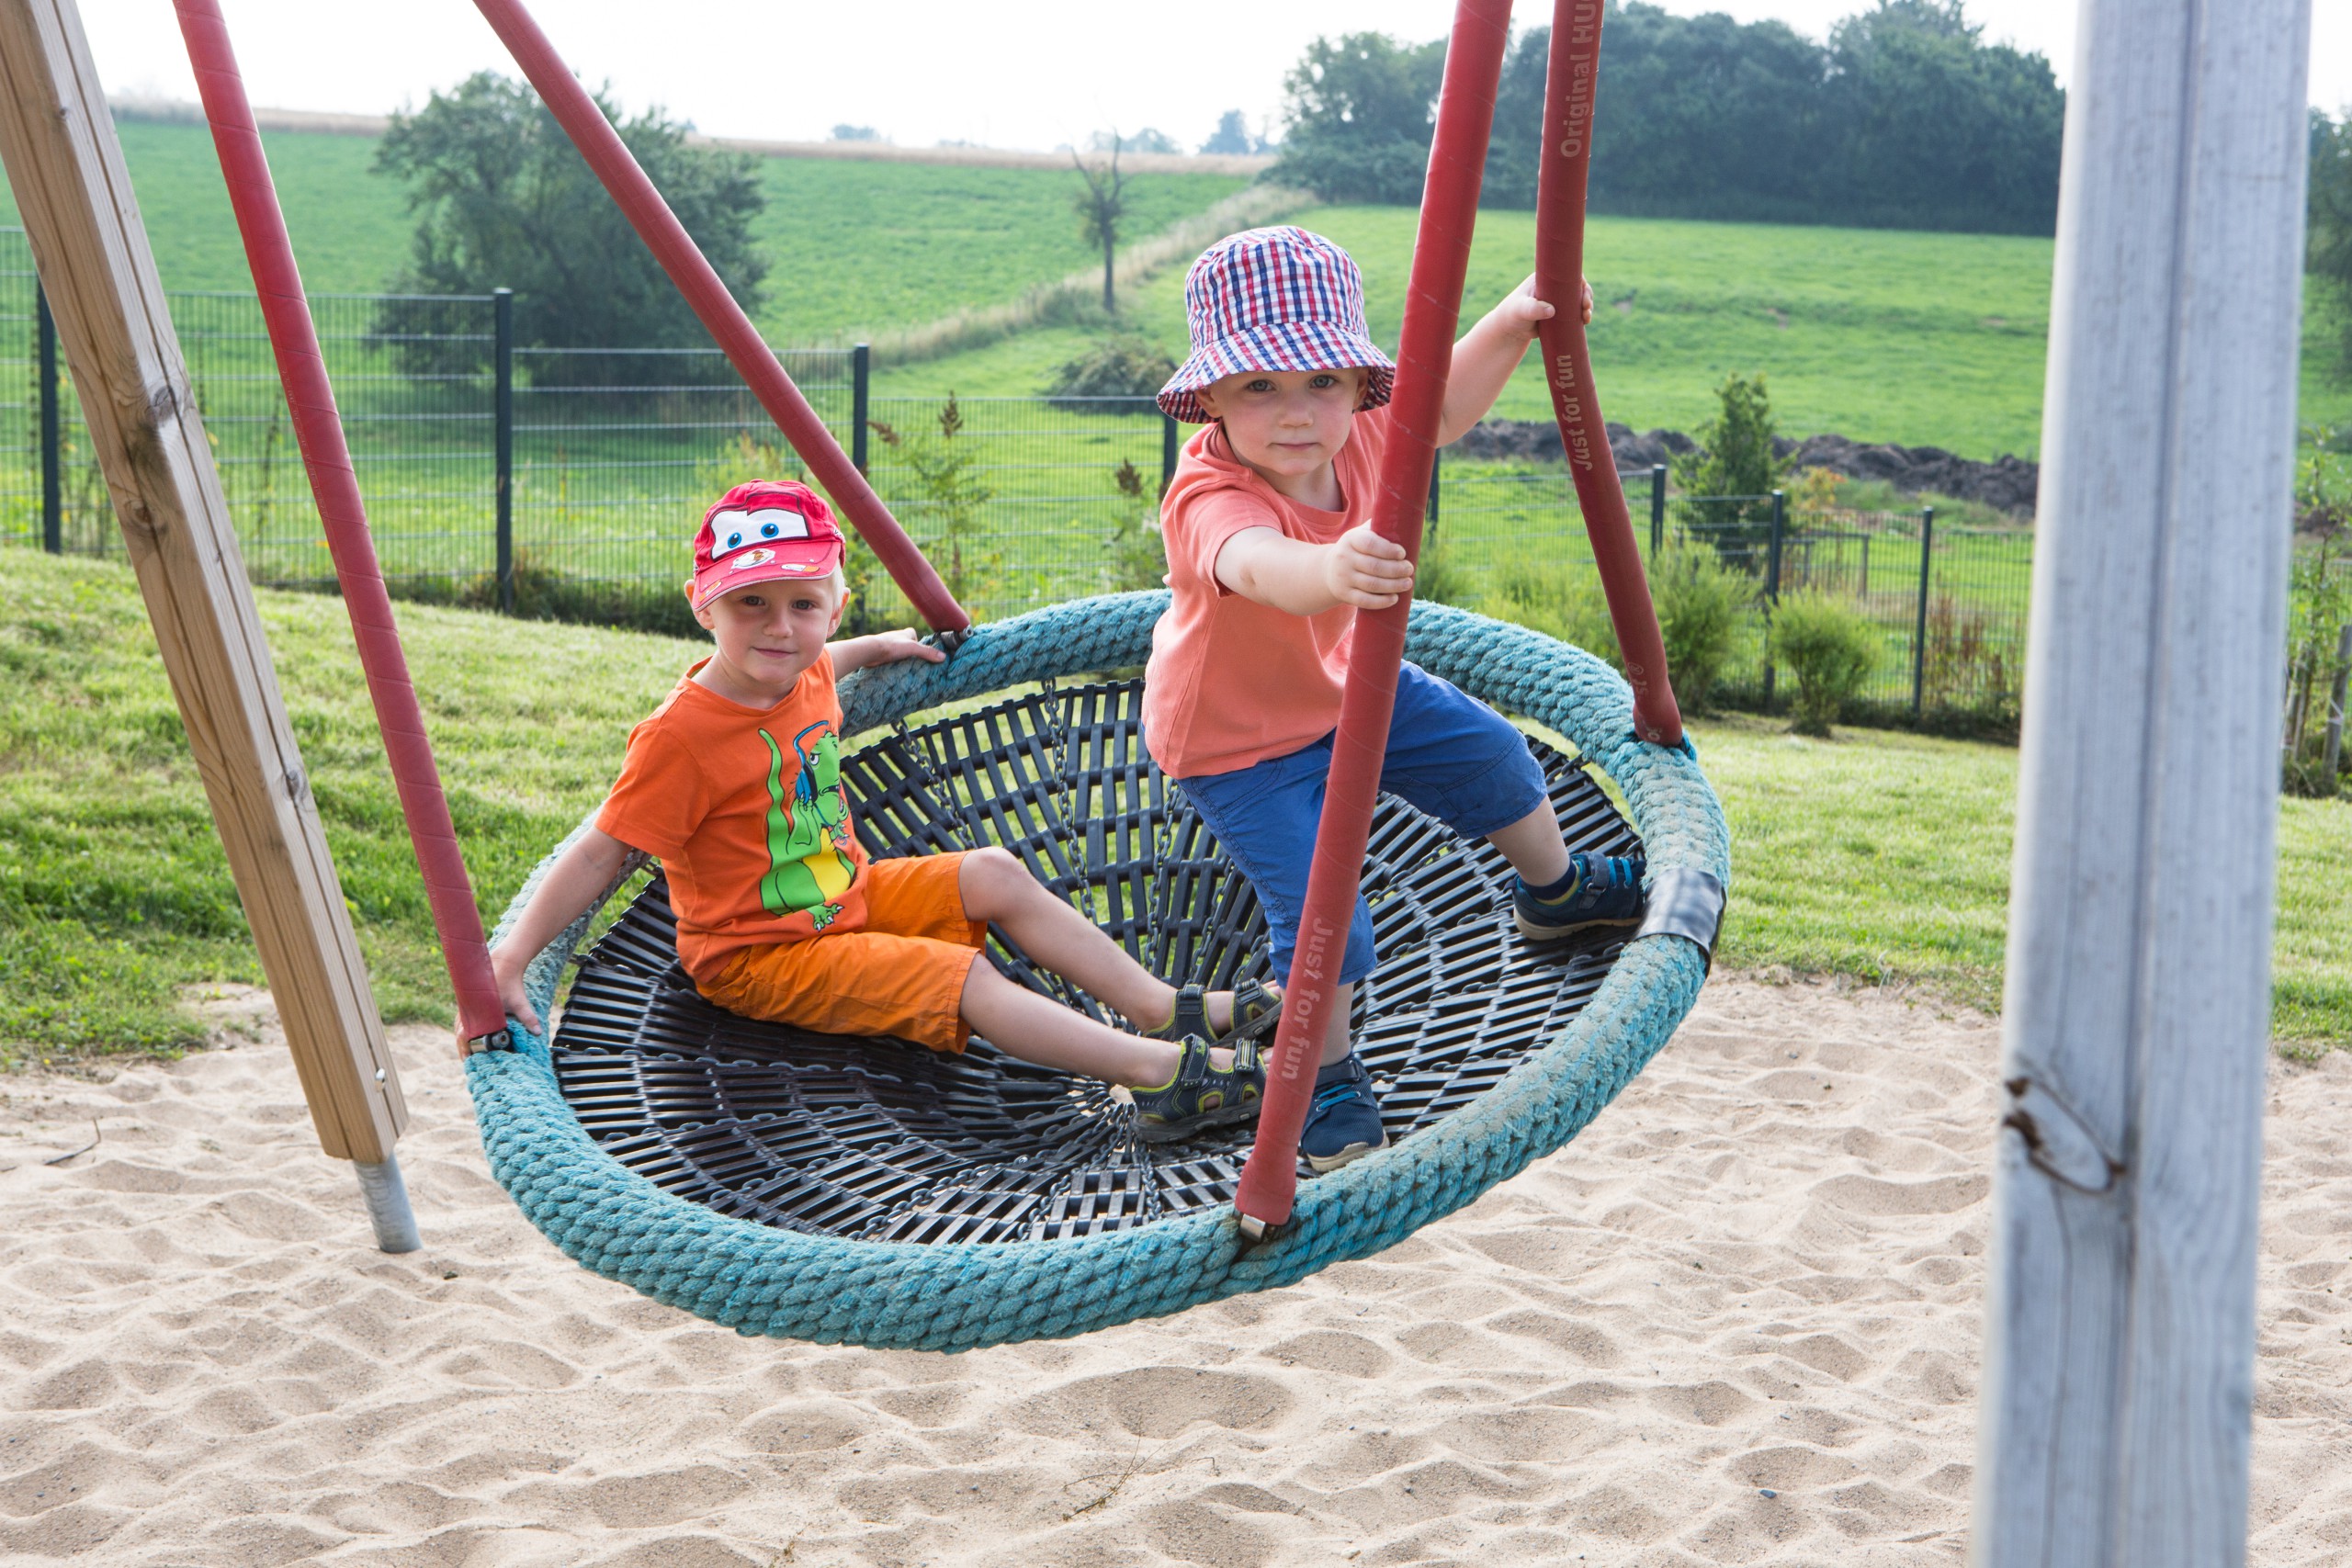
(1270, 554)
(734, 784)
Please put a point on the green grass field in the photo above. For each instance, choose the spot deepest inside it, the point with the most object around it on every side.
(1882, 335)
(854, 247)
(1923, 339)
(1879, 856)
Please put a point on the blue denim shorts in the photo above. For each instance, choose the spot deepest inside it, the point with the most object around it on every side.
(1448, 755)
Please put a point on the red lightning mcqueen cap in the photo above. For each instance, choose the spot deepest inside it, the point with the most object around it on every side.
(760, 532)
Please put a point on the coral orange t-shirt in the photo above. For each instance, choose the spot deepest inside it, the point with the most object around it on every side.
(745, 808)
(1231, 682)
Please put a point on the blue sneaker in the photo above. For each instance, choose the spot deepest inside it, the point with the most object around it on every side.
(1599, 890)
(1343, 1121)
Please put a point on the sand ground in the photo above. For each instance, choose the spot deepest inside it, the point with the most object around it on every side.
(1737, 1321)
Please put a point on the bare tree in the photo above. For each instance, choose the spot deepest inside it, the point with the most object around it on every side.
(1101, 206)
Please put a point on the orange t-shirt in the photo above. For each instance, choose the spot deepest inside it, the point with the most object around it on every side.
(1232, 681)
(746, 810)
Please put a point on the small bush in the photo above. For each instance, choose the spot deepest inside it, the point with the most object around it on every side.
(1831, 648)
(1971, 663)
(1558, 600)
(1137, 558)
(1701, 607)
(1115, 367)
(1438, 580)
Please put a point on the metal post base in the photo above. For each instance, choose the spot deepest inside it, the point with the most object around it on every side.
(387, 1209)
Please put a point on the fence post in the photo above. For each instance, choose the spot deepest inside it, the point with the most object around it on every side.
(1169, 444)
(502, 304)
(861, 401)
(1658, 510)
(2334, 755)
(52, 477)
(1772, 585)
(1919, 625)
(1437, 463)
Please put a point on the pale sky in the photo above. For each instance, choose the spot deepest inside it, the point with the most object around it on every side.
(1030, 74)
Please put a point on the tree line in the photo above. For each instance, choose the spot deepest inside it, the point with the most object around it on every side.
(1905, 118)
(2329, 227)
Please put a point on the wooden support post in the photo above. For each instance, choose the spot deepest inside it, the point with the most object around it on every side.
(67, 169)
(2120, 1324)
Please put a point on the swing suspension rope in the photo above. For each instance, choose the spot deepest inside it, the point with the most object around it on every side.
(1481, 29)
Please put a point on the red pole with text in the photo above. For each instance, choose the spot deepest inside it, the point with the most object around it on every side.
(1567, 362)
(1424, 353)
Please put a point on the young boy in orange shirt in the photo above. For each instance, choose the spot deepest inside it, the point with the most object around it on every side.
(1270, 554)
(734, 784)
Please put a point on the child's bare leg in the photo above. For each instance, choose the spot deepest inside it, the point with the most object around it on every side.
(1020, 1022)
(1534, 846)
(1337, 1041)
(996, 886)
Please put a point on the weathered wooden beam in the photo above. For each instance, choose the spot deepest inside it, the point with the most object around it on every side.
(67, 169)
(2117, 1406)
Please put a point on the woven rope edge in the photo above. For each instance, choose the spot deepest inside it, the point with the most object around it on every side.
(759, 1280)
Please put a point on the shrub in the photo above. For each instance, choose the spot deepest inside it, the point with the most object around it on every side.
(1702, 608)
(1831, 648)
(1558, 600)
(1137, 557)
(1437, 580)
(1115, 367)
(2319, 606)
(1971, 663)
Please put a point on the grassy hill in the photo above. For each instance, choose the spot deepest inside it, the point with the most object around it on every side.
(1882, 335)
(1923, 339)
(1882, 856)
(854, 247)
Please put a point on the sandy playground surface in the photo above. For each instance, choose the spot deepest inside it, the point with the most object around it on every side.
(1736, 1323)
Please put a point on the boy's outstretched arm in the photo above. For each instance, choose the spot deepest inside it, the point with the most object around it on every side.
(1489, 353)
(584, 871)
(881, 647)
(1358, 567)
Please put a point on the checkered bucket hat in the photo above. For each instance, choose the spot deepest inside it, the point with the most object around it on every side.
(1273, 299)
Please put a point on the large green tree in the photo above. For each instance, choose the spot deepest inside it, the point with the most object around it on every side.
(2329, 257)
(1905, 117)
(1935, 129)
(503, 200)
(1358, 116)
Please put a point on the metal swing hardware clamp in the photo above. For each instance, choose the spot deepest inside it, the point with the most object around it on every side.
(1685, 902)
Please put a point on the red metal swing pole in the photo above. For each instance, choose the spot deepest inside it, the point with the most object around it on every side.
(1425, 353)
(729, 326)
(327, 459)
(1567, 362)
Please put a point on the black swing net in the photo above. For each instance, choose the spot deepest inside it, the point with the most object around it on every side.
(879, 1140)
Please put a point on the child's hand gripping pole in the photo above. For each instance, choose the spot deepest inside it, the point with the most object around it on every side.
(1567, 365)
(1432, 309)
(642, 205)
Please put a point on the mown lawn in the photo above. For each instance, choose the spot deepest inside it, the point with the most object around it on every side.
(1879, 856)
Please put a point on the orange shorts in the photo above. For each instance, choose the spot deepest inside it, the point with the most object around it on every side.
(901, 973)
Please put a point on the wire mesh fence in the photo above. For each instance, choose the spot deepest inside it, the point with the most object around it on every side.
(1947, 603)
(21, 338)
(567, 482)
